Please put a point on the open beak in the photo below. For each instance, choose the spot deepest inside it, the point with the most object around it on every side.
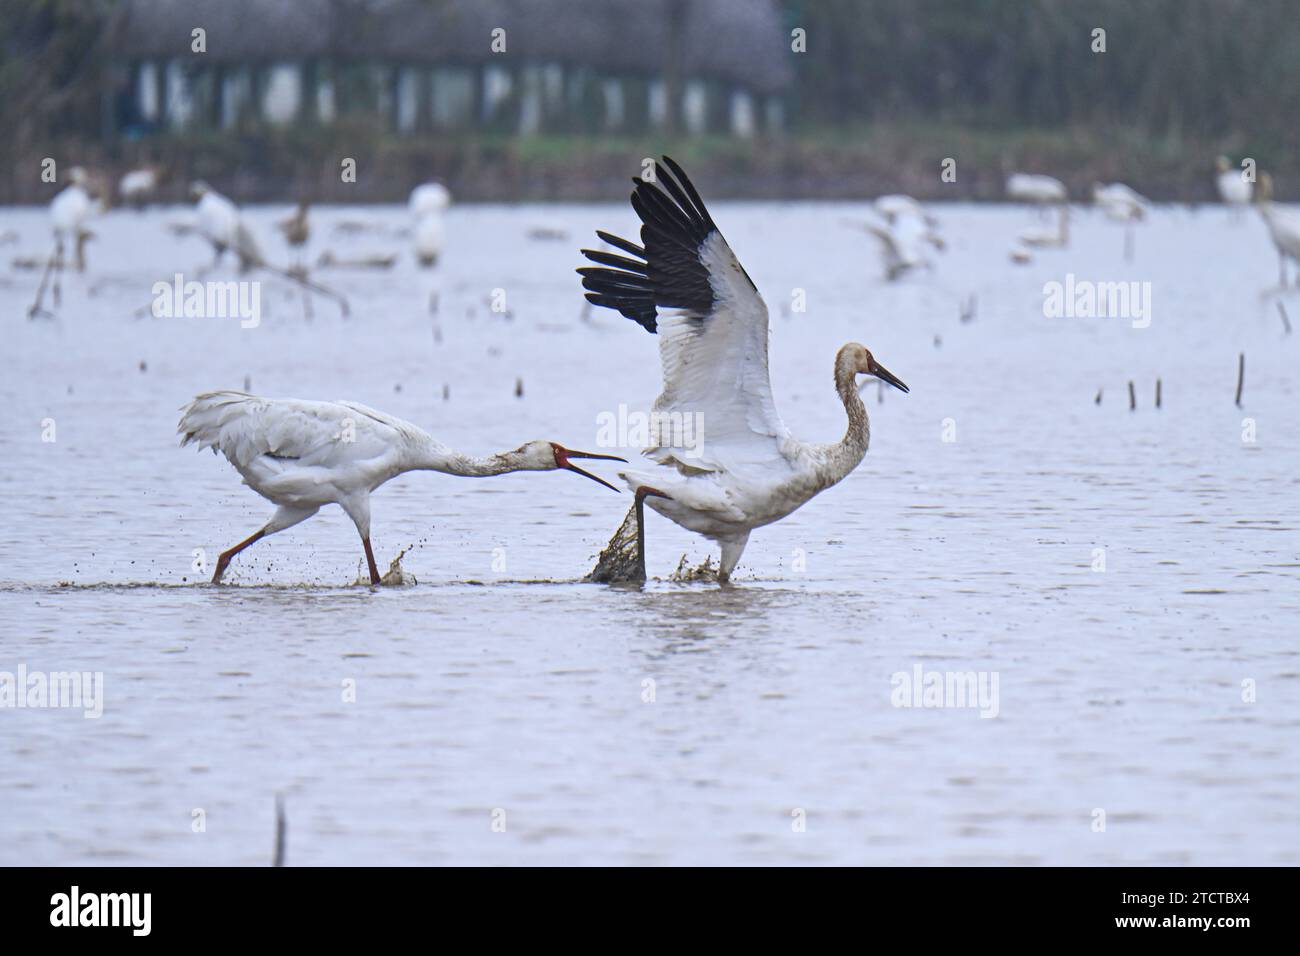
(563, 455)
(885, 375)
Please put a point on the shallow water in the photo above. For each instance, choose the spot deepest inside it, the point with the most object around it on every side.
(497, 687)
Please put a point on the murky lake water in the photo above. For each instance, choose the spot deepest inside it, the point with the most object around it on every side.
(500, 683)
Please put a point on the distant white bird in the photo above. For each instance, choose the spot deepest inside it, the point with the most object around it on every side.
(894, 205)
(220, 223)
(686, 284)
(900, 246)
(1234, 188)
(428, 198)
(429, 236)
(302, 455)
(905, 213)
(1121, 204)
(1057, 238)
(69, 212)
(1033, 188)
(1283, 228)
(138, 186)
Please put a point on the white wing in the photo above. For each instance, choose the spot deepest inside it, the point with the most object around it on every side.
(266, 437)
(688, 286)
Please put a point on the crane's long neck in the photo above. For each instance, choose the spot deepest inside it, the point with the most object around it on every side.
(426, 454)
(847, 453)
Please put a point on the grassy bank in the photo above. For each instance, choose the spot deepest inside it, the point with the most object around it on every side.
(279, 165)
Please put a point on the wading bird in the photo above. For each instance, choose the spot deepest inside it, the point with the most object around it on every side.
(428, 199)
(904, 212)
(220, 222)
(428, 239)
(1057, 238)
(302, 455)
(1121, 204)
(1033, 188)
(685, 284)
(1283, 228)
(1234, 188)
(900, 245)
(427, 203)
(138, 186)
(69, 212)
(296, 229)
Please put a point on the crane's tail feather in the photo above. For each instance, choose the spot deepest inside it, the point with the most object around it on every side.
(204, 420)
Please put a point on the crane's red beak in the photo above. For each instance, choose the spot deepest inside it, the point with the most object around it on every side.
(562, 456)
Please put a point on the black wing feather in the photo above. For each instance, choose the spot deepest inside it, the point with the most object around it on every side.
(667, 271)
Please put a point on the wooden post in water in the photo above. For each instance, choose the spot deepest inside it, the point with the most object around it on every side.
(1241, 375)
(1132, 397)
(1157, 393)
(1286, 319)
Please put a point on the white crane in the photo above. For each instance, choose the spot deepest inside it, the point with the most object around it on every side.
(429, 238)
(1119, 202)
(900, 245)
(896, 205)
(69, 212)
(1283, 228)
(685, 284)
(138, 186)
(428, 199)
(220, 222)
(1034, 188)
(427, 203)
(302, 455)
(1124, 205)
(1234, 188)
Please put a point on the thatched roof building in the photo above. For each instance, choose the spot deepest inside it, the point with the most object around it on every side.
(530, 65)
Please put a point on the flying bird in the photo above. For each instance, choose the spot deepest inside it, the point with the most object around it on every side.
(302, 455)
(685, 284)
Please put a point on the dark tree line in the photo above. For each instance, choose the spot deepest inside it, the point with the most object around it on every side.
(1203, 69)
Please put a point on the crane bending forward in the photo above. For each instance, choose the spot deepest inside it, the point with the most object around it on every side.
(685, 284)
(303, 455)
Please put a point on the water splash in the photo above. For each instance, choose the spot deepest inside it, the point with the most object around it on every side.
(618, 563)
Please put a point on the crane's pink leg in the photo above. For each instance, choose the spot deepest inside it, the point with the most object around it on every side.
(224, 560)
(370, 560)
